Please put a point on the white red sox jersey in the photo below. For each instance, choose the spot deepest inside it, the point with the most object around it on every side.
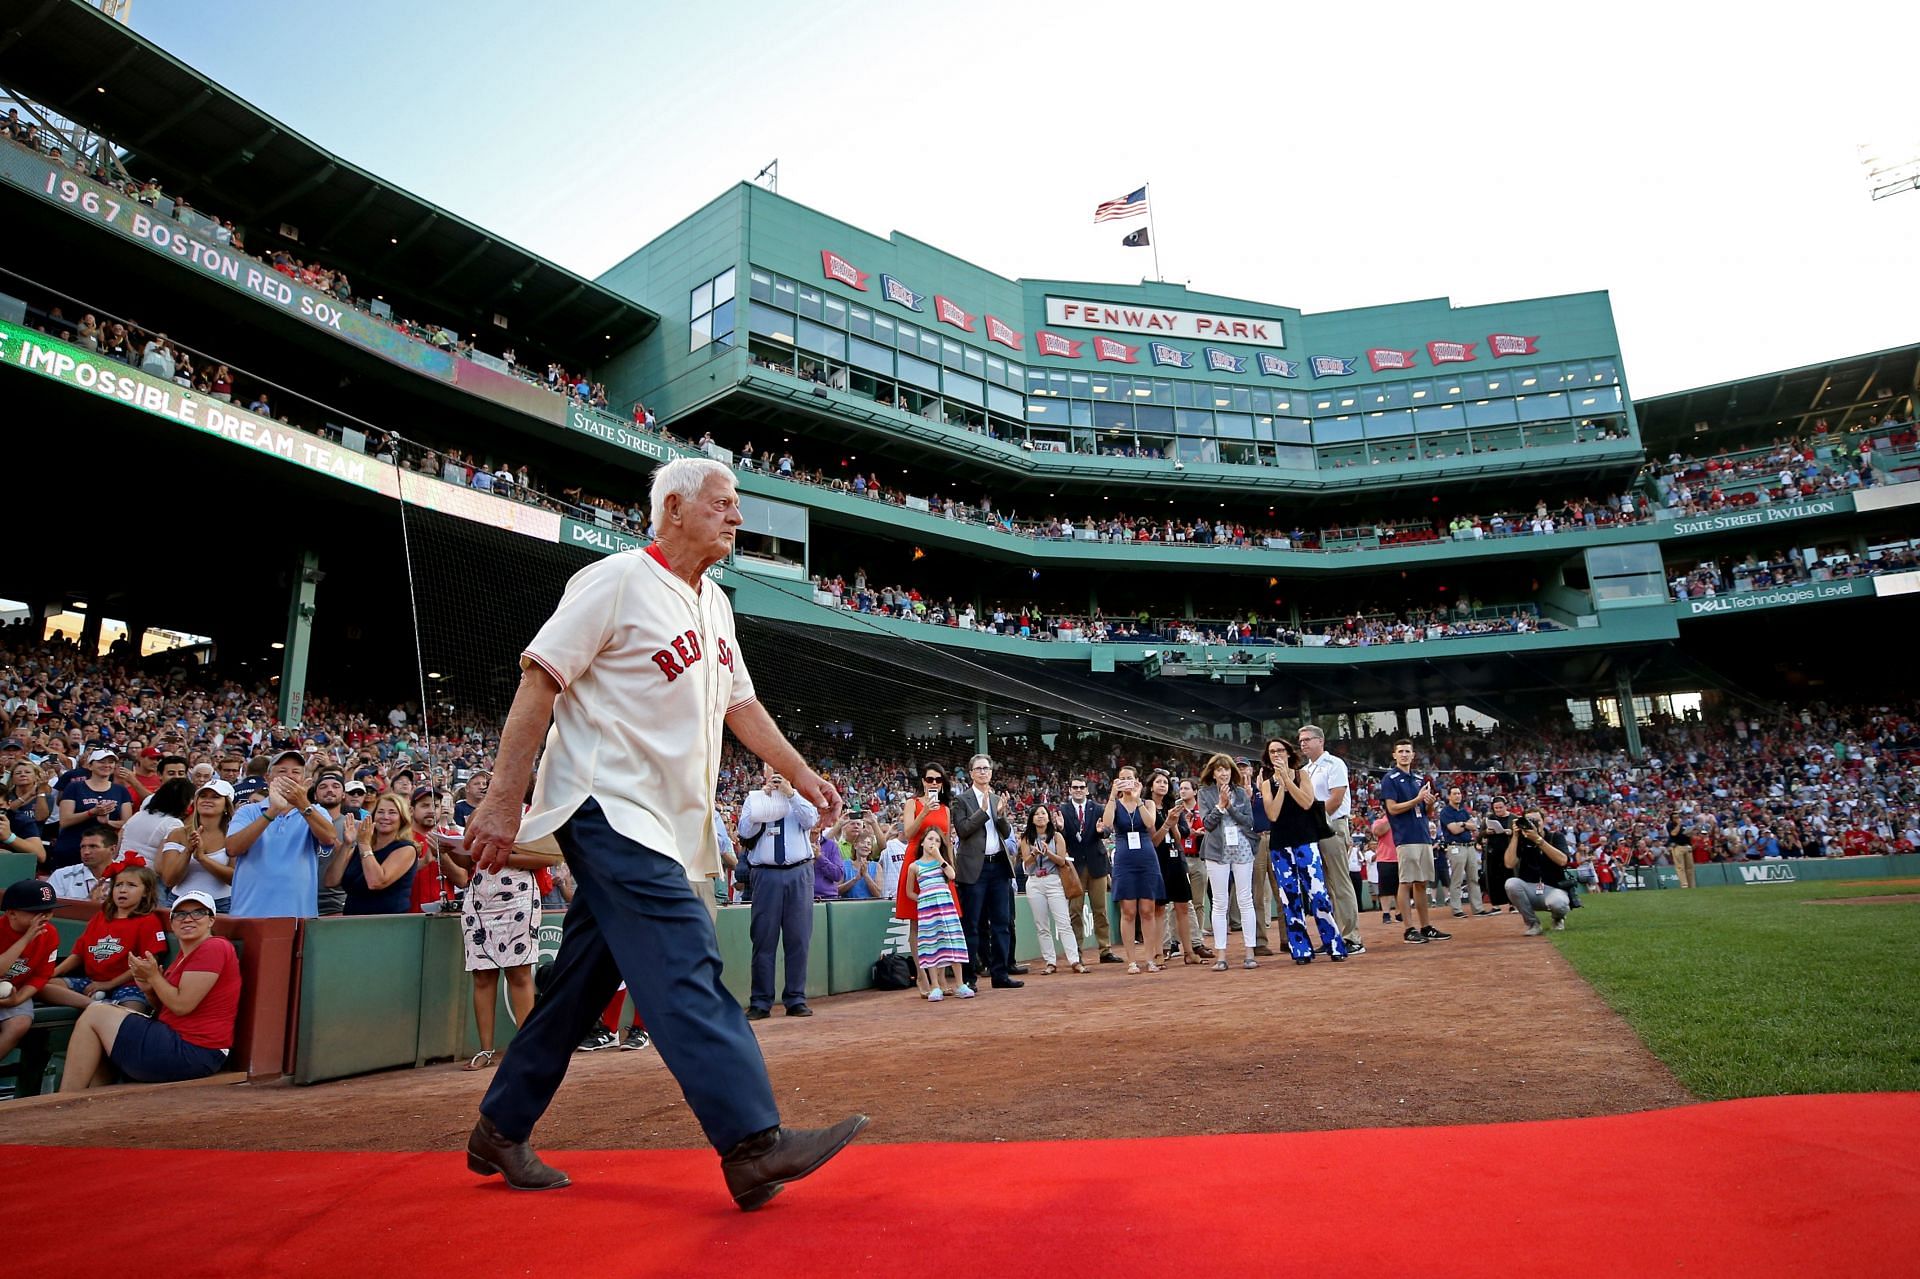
(648, 670)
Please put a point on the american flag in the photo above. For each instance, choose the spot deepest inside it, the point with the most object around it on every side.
(1131, 206)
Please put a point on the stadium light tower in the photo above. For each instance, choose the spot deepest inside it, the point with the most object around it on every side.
(120, 11)
(1891, 167)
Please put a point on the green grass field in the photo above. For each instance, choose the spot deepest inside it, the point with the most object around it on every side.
(1751, 991)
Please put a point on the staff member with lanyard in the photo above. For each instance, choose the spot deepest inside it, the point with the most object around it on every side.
(1328, 773)
(775, 821)
(637, 671)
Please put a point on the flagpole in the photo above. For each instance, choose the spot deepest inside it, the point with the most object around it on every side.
(1153, 236)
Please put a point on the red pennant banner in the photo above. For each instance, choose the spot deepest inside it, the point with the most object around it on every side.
(1000, 331)
(949, 312)
(1053, 344)
(1386, 358)
(838, 268)
(1499, 344)
(1117, 352)
(1450, 352)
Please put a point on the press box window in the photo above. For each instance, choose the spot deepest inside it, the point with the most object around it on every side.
(710, 312)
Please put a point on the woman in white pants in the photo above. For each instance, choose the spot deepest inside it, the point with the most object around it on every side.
(1226, 812)
(1043, 851)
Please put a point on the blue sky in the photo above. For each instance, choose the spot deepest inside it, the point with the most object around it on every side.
(1703, 170)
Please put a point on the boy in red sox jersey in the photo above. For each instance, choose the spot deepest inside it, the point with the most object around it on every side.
(638, 713)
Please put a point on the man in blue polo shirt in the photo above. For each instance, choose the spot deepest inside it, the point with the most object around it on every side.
(277, 846)
(1409, 801)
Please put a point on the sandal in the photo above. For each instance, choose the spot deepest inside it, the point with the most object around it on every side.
(1049, 970)
(481, 1060)
(1133, 968)
(1190, 959)
(1220, 967)
(1153, 967)
(1080, 967)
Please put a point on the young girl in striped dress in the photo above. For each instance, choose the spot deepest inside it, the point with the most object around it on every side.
(941, 946)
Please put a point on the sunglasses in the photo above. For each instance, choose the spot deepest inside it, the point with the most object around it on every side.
(933, 777)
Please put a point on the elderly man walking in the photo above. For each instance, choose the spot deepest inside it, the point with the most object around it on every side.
(638, 672)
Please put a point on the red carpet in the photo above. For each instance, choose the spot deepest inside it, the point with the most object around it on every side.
(1776, 1186)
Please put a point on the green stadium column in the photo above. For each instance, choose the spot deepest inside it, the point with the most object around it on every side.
(1629, 720)
(980, 728)
(293, 659)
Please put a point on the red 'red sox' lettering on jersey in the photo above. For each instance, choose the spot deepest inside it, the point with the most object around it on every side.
(674, 662)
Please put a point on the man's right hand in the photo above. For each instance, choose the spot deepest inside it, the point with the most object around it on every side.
(491, 833)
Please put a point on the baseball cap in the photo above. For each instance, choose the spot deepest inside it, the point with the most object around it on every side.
(12, 744)
(356, 785)
(333, 773)
(100, 753)
(248, 786)
(199, 896)
(29, 894)
(403, 772)
(152, 752)
(219, 786)
(278, 756)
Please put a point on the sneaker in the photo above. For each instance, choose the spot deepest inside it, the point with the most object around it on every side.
(935, 995)
(1559, 925)
(1355, 948)
(1533, 930)
(1434, 934)
(1386, 917)
(636, 1040)
(1459, 914)
(597, 1038)
(963, 992)
(1413, 938)
(1486, 912)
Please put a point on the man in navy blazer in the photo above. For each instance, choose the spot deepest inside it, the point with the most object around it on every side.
(1080, 826)
(983, 868)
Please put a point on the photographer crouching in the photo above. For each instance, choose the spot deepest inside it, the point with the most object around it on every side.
(1534, 870)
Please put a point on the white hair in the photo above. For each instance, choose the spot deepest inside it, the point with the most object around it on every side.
(683, 477)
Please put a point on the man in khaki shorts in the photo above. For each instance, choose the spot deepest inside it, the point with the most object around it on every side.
(1409, 802)
(1328, 773)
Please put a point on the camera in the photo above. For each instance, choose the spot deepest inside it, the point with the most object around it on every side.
(1522, 822)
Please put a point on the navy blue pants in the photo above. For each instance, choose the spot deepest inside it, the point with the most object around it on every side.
(782, 914)
(986, 917)
(635, 916)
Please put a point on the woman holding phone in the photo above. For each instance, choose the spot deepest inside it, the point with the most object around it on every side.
(1136, 866)
(1043, 853)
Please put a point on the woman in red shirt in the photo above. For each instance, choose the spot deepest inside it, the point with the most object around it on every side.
(198, 997)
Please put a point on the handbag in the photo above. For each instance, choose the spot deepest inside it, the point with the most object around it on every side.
(893, 972)
(1070, 880)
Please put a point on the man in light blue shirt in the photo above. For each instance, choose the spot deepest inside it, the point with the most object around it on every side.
(775, 821)
(276, 847)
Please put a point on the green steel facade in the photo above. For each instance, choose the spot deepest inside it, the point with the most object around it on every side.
(755, 288)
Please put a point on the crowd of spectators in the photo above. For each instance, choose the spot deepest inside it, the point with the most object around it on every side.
(1785, 471)
(329, 280)
(1030, 621)
(1789, 567)
(1745, 784)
